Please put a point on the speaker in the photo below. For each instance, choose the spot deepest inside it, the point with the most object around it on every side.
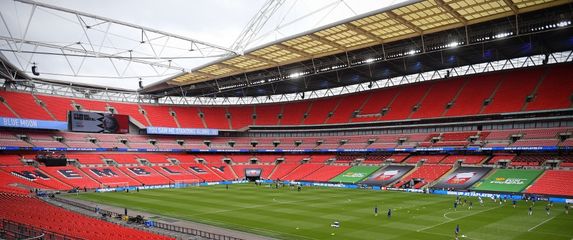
(35, 70)
(140, 84)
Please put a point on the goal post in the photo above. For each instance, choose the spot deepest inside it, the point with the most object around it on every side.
(185, 183)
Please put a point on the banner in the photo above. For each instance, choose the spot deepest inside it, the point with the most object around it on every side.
(462, 178)
(387, 175)
(507, 180)
(355, 174)
(32, 123)
(477, 194)
(182, 131)
(315, 184)
(94, 122)
(195, 150)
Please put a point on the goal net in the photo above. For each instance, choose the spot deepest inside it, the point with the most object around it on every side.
(185, 183)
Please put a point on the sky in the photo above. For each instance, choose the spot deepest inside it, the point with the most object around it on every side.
(217, 22)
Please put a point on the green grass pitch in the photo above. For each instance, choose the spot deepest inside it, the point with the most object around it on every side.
(287, 214)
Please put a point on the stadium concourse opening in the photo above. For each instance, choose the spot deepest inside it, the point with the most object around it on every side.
(425, 119)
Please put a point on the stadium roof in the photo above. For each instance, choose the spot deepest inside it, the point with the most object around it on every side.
(114, 44)
(402, 21)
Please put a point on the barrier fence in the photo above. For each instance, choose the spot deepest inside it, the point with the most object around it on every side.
(159, 225)
(16, 230)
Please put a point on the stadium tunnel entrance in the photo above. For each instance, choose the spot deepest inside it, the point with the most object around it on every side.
(253, 174)
(412, 182)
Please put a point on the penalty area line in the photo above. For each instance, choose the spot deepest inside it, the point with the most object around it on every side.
(541, 223)
(454, 219)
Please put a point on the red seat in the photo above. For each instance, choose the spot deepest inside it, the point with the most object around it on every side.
(37, 213)
(553, 182)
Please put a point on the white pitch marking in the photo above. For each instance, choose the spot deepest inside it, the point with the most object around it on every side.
(448, 213)
(453, 219)
(541, 223)
(442, 234)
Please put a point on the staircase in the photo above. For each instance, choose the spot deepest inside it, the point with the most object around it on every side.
(11, 110)
(454, 168)
(53, 178)
(419, 104)
(43, 106)
(273, 172)
(333, 111)
(362, 105)
(144, 113)
(297, 167)
(281, 113)
(491, 97)
(229, 122)
(128, 176)
(233, 171)
(89, 176)
(456, 96)
(175, 118)
(533, 182)
(389, 106)
(203, 119)
(534, 92)
(306, 112)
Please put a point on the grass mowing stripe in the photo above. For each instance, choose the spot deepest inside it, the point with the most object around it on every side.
(261, 230)
(454, 219)
(287, 214)
(257, 206)
(541, 223)
(442, 234)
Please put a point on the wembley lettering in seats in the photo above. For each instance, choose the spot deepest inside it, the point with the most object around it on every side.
(170, 171)
(105, 172)
(69, 173)
(31, 175)
(139, 171)
(198, 170)
(220, 169)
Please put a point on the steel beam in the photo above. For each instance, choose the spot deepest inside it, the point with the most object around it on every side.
(61, 9)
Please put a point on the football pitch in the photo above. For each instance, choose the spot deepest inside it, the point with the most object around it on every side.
(285, 213)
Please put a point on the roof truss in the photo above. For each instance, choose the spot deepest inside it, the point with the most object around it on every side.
(386, 25)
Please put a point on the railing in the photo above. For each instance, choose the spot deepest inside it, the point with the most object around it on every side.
(16, 230)
(193, 232)
(159, 225)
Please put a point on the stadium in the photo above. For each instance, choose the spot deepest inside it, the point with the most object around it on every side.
(414, 119)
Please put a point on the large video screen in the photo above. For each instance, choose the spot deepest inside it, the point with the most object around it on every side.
(253, 172)
(97, 122)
